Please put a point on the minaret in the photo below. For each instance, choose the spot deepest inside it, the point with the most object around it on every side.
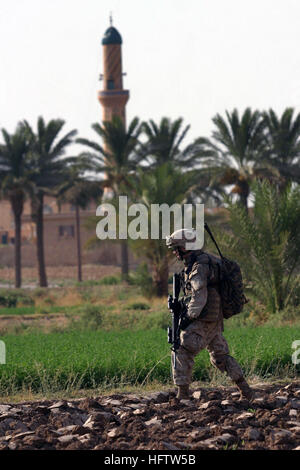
(113, 97)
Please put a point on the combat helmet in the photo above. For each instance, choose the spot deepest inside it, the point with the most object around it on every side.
(180, 238)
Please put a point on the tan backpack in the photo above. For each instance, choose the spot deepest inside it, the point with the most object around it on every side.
(231, 288)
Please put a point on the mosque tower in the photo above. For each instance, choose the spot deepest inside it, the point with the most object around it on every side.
(113, 97)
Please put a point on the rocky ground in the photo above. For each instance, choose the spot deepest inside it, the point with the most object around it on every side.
(213, 419)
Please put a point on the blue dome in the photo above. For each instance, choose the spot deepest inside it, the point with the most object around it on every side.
(112, 36)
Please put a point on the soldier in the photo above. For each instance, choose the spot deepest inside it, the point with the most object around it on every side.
(204, 316)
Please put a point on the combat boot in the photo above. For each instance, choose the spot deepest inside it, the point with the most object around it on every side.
(183, 392)
(246, 391)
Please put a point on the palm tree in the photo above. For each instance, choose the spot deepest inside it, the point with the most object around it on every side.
(79, 191)
(164, 141)
(49, 170)
(283, 144)
(160, 185)
(117, 159)
(267, 242)
(238, 145)
(15, 173)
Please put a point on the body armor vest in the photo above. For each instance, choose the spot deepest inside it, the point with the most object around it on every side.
(212, 307)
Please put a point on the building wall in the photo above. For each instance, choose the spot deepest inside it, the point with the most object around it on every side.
(64, 255)
(28, 227)
(6, 223)
(60, 242)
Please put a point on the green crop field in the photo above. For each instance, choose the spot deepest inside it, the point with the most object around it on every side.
(89, 359)
(17, 310)
(5, 311)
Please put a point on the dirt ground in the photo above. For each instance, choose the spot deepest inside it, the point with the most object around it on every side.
(61, 273)
(213, 419)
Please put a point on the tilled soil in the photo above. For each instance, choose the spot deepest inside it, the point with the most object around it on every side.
(214, 418)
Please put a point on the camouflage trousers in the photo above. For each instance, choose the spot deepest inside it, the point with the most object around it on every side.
(200, 335)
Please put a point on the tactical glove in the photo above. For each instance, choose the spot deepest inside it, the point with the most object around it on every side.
(185, 321)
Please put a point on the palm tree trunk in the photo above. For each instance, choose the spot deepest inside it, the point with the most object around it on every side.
(124, 259)
(40, 242)
(244, 201)
(18, 279)
(17, 204)
(244, 193)
(79, 264)
(160, 278)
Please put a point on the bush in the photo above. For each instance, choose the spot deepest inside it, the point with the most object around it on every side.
(8, 301)
(86, 294)
(49, 301)
(110, 280)
(294, 298)
(39, 292)
(138, 306)
(26, 301)
(157, 320)
(12, 298)
(266, 243)
(91, 317)
(142, 278)
(135, 320)
(289, 315)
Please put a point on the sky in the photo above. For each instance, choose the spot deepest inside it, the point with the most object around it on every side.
(189, 59)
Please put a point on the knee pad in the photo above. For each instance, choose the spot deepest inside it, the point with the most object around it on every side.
(191, 342)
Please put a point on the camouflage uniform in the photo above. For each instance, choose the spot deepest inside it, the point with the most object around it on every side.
(199, 283)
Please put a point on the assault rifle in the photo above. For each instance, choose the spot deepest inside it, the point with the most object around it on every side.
(179, 320)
